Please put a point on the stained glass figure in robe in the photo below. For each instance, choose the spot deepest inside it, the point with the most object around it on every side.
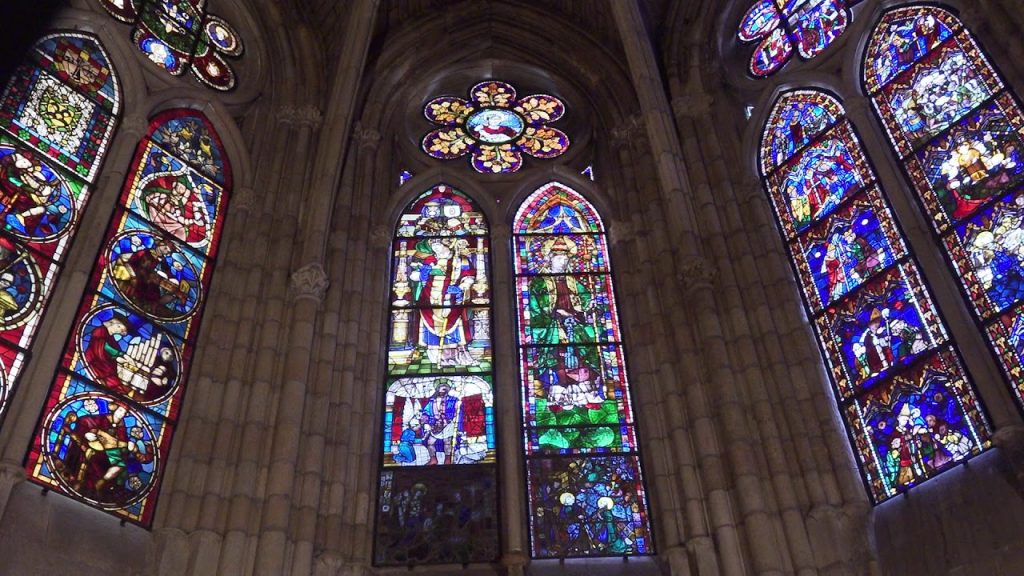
(108, 423)
(960, 135)
(438, 492)
(905, 396)
(57, 116)
(585, 484)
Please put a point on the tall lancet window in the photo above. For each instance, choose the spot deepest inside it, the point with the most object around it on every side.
(958, 131)
(900, 385)
(586, 490)
(105, 431)
(437, 499)
(57, 116)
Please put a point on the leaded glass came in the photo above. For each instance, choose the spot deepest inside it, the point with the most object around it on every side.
(106, 429)
(586, 491)
(57, 117)
(960, 135)
(437, 500)
(180, 36)
(900, 386)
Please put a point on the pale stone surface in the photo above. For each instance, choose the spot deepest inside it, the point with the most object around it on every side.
(274, 464)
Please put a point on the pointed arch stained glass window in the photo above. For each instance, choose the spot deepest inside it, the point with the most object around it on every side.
(57, 116)
(960, 135)
(784, 27)
(106, 428)
(585, 485)
(495, 128)
(899, 383)
(179, 36)
(438, 454)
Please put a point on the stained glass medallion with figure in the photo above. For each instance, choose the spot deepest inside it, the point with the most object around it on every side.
(905, 396)
(57, 116)
(437, 501)
(960, 134)
(107, 427)
(586, 488)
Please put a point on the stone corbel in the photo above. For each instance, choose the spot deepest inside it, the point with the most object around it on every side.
(698, 274)
(309, 282)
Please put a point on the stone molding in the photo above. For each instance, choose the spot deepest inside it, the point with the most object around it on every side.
(306, 115)
(1010, 439)
(698, 274)
(309, 282)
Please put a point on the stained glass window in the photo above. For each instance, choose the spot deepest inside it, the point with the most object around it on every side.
(57, 116)
(107, 424)
(901, 388)
(586, 490)
(960, 135)
(179, 36)
(784, 27)
(494, 127)
(438, 482)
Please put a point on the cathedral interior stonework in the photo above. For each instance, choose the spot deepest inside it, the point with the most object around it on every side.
(512, 287)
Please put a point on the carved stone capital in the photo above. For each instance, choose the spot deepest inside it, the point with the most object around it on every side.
(243, 199)
(366, 137)
(628, 131)
(381, 236)
(698, 274)
(621, 231)
(306, 115)
(309, 282)
(696, 105)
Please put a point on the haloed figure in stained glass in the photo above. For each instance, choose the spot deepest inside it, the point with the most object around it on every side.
(562, 310)
(442, 277)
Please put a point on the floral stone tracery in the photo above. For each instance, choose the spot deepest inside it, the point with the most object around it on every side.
(495, 127)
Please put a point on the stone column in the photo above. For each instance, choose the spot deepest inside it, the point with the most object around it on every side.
(306, 291)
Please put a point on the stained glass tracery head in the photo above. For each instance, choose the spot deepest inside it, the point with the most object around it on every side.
(107, 425)
(439, 447)
(782, 28)
(960, 135)
(495, 127)
(180, 36)
(585, 486)
(900, 386)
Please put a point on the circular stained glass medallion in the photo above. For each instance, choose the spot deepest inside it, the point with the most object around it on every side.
(495, 126)
(101, 449)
